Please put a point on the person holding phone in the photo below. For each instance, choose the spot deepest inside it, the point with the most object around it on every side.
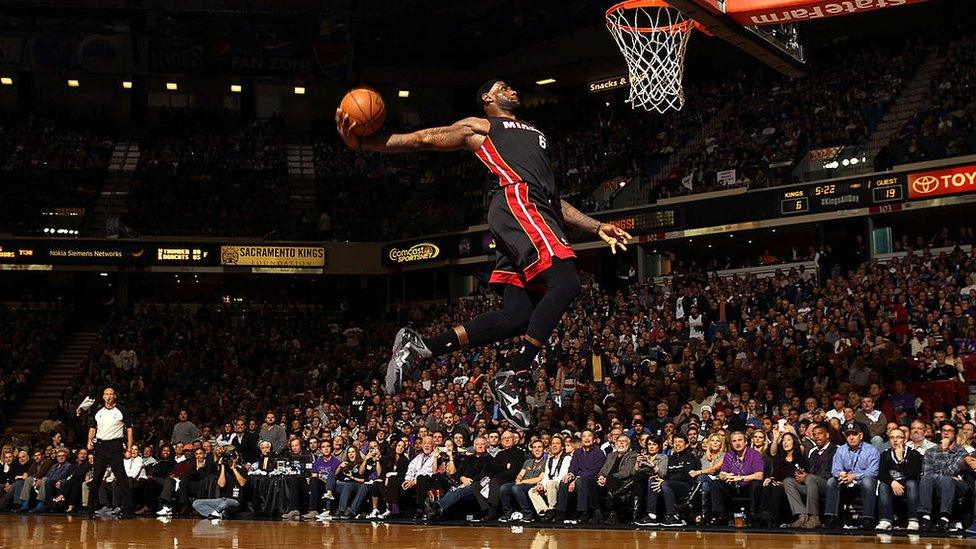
(785, 461)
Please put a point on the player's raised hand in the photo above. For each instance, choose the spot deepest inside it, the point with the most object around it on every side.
(614, 236)
(344, 125)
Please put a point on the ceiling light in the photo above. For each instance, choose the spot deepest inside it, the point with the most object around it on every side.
(73, 83)
(127, 84)
(299, 90)
(545, 81)
(235, 88)
(6, 81)
(171, 86)
(403, 93)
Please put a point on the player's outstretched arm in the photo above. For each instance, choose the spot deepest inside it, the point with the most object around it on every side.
(611, 234)
(467, 134)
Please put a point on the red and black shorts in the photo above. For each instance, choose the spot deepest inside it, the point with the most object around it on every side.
(527, 236)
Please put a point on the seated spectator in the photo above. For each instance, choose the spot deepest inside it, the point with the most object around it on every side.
(712, 459)
(786, 460)
(465, 480)
(615, 480)
(854, 469)
(741, 475)
(584, 468)
(321, 482)
(350, 484)
(675, 483)
(52, 484)
(917, 437)
(531, 474)
(803, 489)
(874, 420)
(543, 495)
(941, 467)
(394, 465)
(419, 478)
(14, 481)
(502, 469)
(898, 476)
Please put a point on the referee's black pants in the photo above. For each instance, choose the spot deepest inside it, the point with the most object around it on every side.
(109, 453)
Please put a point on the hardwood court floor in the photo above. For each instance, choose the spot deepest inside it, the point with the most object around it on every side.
(74, 532)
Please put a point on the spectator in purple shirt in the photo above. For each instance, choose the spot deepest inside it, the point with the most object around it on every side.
(584, 468)
(741, 475)
(322, 481)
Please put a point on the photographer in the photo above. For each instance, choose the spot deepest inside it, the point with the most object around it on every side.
(230, 480)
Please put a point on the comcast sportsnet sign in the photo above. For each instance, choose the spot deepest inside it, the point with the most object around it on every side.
(958, 180)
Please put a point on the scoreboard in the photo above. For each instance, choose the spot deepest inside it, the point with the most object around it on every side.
(840, 195)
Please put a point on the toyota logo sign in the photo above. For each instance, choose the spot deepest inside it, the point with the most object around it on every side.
(925, 184)
(958, 180)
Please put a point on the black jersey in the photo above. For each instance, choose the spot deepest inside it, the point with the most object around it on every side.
(524, 213)
(517, 151)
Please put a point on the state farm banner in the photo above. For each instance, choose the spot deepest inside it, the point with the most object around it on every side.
(958, 180)
(778, 12)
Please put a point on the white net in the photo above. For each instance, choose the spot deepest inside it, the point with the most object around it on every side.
(653, 39)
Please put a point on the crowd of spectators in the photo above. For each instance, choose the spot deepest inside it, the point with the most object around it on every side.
(209, 172)
(778, 119)
(946, 126)
(654, 404)
(28, 340)
(49, 161)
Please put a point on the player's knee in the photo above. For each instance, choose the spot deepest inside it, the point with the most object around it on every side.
(568, 286)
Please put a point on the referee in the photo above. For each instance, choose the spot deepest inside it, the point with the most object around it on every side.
(105, 441)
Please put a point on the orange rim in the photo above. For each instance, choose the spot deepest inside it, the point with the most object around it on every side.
(635, 4)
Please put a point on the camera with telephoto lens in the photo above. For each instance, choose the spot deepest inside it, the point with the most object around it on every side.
(228, 458)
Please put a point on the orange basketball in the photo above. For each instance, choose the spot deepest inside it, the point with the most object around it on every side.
(366, 107)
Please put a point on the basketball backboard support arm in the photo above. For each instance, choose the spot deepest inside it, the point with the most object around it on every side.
(757, 42)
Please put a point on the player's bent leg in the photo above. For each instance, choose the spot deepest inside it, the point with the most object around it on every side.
(410, 348)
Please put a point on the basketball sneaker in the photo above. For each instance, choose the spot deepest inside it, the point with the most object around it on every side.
(408, 350)
(507, 388)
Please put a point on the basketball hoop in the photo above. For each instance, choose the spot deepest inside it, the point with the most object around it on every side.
(653, 36)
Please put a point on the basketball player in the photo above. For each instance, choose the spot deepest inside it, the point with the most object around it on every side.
(534, 271)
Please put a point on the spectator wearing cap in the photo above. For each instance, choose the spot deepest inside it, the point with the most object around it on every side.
(874, 420)
(854, 472)
(941, 467)
(741, 475)
(898, 477)
(803, 489)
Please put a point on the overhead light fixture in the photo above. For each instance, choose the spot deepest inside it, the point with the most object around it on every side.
(299, 90)
(403, 93)
(854, 161)
(127, 84)
(545, 81)
(171, 86)
(73, 83)
(831, 165)
(235, 88)
(6, 81)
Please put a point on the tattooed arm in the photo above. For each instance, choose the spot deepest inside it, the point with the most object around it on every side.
(614, 236)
